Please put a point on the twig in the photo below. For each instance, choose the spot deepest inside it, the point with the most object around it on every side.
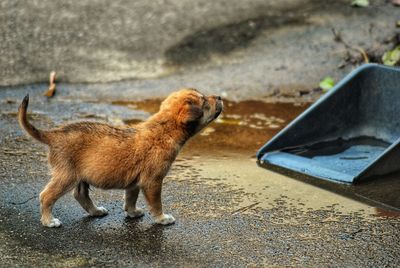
(52, 87)
(338, 38)
(23, 202)
(15, 152)
(245, 208)
(362, 52)
(9, 151)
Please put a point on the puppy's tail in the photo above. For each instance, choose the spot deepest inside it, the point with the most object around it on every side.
(23, 122)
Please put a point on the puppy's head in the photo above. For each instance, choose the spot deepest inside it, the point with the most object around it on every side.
(191, 109)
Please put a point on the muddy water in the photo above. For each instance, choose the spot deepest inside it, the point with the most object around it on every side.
(242, 127)
(224, 154)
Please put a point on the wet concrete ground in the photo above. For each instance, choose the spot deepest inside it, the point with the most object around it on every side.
(229, 211)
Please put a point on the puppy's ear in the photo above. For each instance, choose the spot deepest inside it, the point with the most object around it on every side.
(191, 113)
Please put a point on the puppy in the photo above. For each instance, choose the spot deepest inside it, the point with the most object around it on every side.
(108, 157)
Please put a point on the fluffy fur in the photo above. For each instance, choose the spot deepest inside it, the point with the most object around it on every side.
(108, 157)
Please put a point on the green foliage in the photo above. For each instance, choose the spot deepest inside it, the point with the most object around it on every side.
(392, 57)
(360, 3)
(327, 83)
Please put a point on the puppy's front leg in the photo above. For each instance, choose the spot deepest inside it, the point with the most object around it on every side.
(152, 193)
(131, 196)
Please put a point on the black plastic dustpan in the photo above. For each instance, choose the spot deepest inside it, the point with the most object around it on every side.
(351, 133)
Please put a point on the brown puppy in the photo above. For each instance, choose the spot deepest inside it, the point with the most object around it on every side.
(134, 159)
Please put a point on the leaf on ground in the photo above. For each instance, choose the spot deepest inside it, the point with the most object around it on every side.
(327, 83)
(52, 87)
(396, 2)
(360, 3)
(392, 57)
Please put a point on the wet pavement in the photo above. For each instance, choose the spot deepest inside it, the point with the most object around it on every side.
(229, 211)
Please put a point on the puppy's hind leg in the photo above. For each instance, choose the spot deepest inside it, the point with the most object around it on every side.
(131, 196)
(56, 188)
(81, 194)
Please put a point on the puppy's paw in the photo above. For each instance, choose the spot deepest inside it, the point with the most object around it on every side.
(138, 212)
(53, 223)
(165, 219)
(99, 212)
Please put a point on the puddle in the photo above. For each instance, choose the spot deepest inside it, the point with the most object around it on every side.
(245, 126)
(242, 127)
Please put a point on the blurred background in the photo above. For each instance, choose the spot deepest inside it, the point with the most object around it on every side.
(242, 49)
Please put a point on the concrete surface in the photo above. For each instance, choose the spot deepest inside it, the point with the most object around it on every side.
(229, 211)
(244, 50)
